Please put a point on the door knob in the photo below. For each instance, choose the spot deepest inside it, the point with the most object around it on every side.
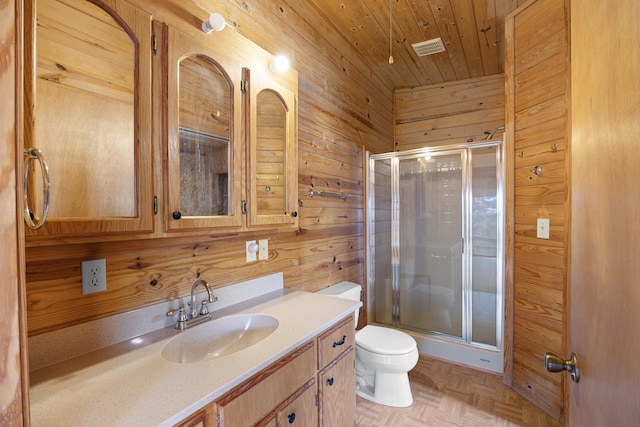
(555, 363)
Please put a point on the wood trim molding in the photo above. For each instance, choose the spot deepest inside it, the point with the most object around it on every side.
(14, 399)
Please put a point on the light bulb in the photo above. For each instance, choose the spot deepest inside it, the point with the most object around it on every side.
(215, 22)
(280, 64)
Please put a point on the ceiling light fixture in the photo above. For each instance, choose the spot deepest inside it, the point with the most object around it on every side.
(390, 33)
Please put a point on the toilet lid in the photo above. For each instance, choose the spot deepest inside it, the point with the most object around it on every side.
(381, 340)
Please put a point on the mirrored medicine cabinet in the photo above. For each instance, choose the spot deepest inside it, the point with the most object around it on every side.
(227, 135)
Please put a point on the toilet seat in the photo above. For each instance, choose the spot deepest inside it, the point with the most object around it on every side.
(385, 341)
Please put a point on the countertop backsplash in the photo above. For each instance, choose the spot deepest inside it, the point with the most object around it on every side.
(53, 347)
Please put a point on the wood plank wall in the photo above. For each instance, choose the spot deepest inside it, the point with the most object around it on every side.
(537, 76)
(341, 110)
(449, 113)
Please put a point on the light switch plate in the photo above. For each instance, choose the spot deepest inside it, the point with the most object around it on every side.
(543, 228)
(263, 252)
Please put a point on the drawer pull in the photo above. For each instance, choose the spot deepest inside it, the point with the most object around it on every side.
(330, 381)
(291, 417)
(341, 342)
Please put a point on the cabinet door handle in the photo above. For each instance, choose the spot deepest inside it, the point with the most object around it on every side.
(30, 218)
(341, 342)
(330, 381)
(291, 417)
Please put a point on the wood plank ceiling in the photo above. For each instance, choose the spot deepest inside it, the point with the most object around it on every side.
(472, 32)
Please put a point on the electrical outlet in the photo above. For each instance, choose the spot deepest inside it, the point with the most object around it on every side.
(263, 251)
(94, 276)
(251, 250)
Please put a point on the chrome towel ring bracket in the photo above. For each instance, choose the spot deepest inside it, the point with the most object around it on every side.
(30, 218)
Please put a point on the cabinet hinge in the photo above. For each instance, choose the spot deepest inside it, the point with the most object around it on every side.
(316, 399)
(243, 86)
(244, 206)
(154, 45)
(155, 205)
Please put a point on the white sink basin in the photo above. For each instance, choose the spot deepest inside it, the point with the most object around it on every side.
(219, 337)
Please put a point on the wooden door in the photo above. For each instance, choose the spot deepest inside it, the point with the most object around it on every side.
(605, 254)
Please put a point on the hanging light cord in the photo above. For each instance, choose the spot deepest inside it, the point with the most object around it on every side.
(390, 33)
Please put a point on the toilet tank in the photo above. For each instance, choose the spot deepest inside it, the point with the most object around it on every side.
(346, 290)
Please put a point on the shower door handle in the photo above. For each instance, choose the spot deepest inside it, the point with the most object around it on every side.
(555, 363)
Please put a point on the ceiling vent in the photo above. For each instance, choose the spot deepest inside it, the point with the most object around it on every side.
(428, 47)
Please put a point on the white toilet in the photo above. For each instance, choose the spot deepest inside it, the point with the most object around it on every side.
(384, 356)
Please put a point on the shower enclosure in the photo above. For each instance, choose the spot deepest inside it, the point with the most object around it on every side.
(434, 259)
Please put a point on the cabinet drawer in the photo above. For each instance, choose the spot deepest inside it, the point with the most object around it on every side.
(336, 340)
(251, 401)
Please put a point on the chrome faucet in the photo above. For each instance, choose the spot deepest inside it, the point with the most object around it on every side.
(204, 310)
(196, 318)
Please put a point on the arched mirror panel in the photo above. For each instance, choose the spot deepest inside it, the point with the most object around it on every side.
(203, 140)
(204, 134)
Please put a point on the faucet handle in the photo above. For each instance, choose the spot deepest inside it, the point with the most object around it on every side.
(212, 298)
(204, 309)
(182, 317)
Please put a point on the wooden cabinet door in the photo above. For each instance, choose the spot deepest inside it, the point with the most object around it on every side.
(88, 111)
(262, 394)
(203, 146)
(272, 150)
(337, 392)
(301, 409)
(197, 420)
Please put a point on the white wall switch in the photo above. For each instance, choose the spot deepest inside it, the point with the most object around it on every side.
(263, 252)
(94, 276)
(251, 249)
(543, 228)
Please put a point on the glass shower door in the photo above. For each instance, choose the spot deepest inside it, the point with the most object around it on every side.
(435, 248)
(430, 240)
(381, 252)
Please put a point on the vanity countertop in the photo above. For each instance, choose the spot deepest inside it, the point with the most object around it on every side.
(130, 384)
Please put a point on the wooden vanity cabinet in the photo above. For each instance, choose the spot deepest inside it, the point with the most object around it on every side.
(253, 400)
(336, 376)
(313, 385)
